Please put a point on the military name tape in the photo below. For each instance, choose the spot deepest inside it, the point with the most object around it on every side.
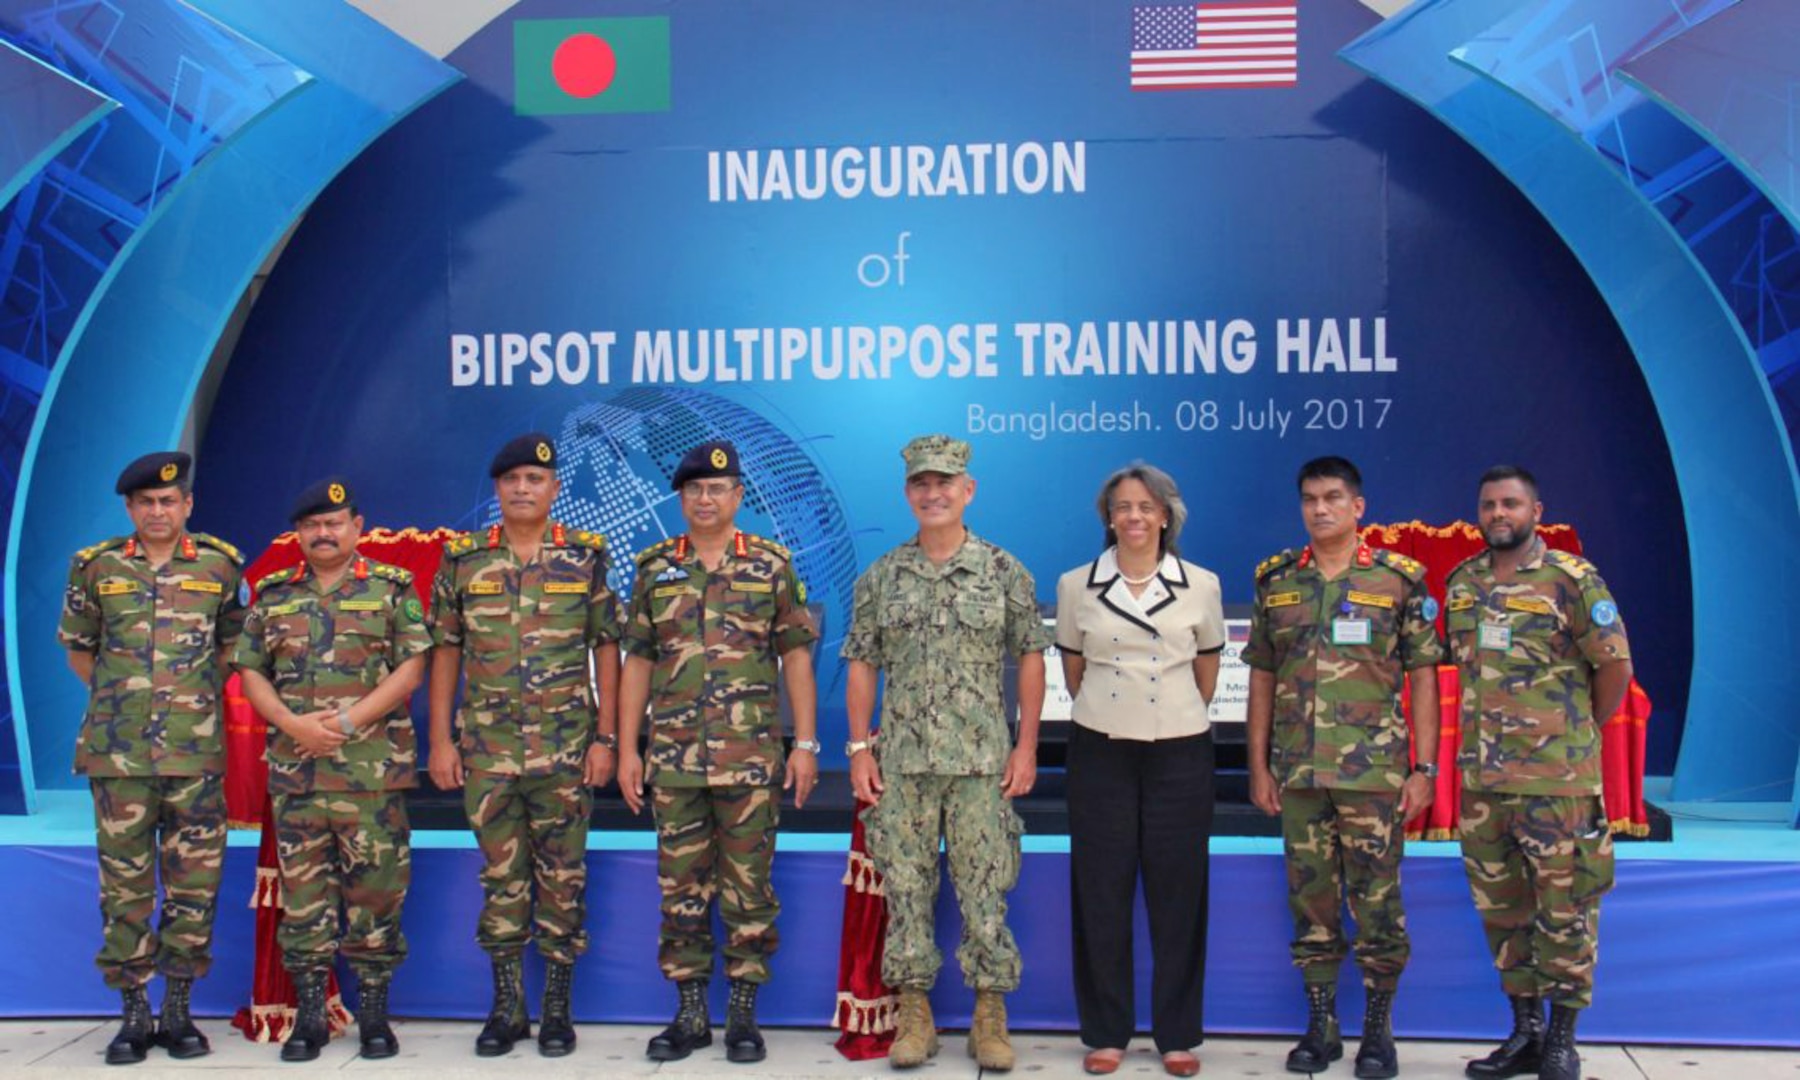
(1371, 599)
(1282, 599)
(214, 587)
(565, 587)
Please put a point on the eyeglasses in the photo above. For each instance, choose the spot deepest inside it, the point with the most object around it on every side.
(695, 489)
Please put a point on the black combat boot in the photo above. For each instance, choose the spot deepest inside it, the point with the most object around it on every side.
(132, 1043)
(1321, 1045)
(690, 1030)
(507, 1022)
(556, 1032)
(377, 1035)
(1376, 1058)
(176, 1030)
(311, 1031)
(743, 1042)
(1560, 1061)
(1519, 1054)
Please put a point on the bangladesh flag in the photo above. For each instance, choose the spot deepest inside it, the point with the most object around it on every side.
(565, 66)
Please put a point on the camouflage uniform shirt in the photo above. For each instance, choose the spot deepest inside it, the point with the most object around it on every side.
(1526, 653)
(323, 649)
(1340, 650)
(525, 631)
(716, 638)
(156, 635)
(940, 632)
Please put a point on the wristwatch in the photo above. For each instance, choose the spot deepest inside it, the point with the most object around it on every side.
(1428, 768)
(608, 739)
(811, 746)
(344, 723)
(857, 746)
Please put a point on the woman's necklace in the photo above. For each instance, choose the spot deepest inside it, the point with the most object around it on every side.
(1145, 580)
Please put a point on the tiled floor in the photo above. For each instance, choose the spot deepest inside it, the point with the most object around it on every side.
(442, 1050)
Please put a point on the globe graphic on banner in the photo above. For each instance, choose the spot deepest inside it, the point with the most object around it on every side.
(618, 457)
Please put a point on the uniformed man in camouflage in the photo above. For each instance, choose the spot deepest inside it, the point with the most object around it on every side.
(1541, 651)
(148, 620)
(330, 655)
(1335, 629)
(938, 615)
(522, 610)
(714, 612)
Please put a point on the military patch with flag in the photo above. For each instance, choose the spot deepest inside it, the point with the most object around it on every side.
(573, 66)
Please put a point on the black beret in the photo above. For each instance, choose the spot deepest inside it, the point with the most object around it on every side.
(706, 461)
(331, 493)
(166, 468)
(532, 448)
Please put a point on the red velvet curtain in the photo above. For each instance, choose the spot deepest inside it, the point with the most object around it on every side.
(270, 1014)
(1441, 549)
(865, 1004)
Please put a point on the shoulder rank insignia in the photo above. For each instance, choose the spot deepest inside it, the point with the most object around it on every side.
(587, 539)
(396, 574)
(1274, 563)
(460, 546)
(769, 545)
(654, 550)
(1569, 563)
(86, 554)
(279, 577)
(219, 545)
(1409, 567)
(1459, 567)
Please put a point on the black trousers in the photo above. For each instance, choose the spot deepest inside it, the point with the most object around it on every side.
(1139, 808)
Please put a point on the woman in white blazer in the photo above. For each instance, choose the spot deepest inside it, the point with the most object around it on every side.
(1140, 631)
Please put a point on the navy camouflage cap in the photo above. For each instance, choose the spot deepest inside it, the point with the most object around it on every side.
(706, 461)
(938, 454)
(329, 494)
(532, 448)
(165, 468)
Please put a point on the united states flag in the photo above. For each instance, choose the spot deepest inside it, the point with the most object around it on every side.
(1214, 46)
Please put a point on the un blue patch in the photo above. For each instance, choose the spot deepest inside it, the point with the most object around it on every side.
(243, 593)
(1604, 613)
(1429, 609)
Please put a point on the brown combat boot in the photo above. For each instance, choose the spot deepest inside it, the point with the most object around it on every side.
(915, 1032)
(989, 1044)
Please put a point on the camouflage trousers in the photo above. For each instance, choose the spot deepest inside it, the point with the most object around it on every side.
(532, 831)
(716, 841)
(1345, 845)
(1538, 866)
(980, 833)
(142, 823)
(343, 853)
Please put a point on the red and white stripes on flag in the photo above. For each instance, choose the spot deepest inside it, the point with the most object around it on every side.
(1214, 46)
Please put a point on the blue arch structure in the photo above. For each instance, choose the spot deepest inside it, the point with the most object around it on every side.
(154, 321)
(1731, 452)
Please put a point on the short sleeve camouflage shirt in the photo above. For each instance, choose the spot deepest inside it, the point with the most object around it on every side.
(526, 631)
(716, 638)
(1340, 649)
(156, 634)
(941, 633)
(1526, 652)
(322, 649)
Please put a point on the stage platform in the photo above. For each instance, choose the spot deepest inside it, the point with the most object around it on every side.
(1699, 942)
(441, 1050)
